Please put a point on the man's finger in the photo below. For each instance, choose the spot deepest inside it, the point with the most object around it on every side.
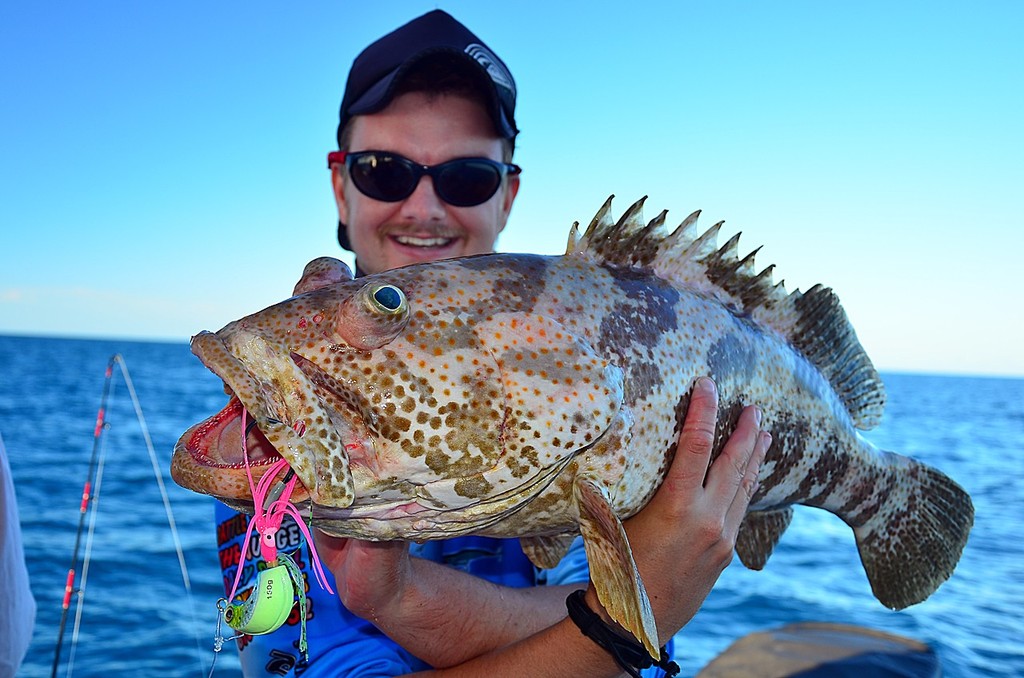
(696, 439)
(725, 477)
(748, 484)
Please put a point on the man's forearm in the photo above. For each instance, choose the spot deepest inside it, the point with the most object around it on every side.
(554, 652)
(448, 616)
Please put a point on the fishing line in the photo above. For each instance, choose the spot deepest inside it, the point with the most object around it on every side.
(167, 506)
(89, 503)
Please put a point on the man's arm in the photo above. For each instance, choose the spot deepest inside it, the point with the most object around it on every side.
(438, 613)
(682, 540)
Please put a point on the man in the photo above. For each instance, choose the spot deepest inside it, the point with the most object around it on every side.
(426, 138)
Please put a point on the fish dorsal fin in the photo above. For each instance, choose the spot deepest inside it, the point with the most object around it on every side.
(813, 322)
(823, 334)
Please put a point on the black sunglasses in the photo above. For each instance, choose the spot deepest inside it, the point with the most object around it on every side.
(389, 177)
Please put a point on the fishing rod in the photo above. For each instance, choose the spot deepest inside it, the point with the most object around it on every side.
(90, 497)
(87, 499)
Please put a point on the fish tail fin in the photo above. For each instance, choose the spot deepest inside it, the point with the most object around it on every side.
(912, 541)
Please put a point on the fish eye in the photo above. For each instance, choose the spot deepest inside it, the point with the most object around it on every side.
(386, 299)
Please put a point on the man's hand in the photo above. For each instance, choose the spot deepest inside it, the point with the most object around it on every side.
(371, 576)
(684, 537)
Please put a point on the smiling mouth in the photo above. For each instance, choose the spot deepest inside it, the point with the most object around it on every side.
(426, 242)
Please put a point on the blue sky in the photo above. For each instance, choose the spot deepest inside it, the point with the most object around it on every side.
(162, 165)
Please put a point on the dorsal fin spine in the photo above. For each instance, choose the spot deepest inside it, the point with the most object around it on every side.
(574, 237)
(633, 219)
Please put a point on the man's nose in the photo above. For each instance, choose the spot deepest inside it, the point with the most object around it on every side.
(424, 203)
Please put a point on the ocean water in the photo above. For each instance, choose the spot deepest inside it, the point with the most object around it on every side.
(138, 619)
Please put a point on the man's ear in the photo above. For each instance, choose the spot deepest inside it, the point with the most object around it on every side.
(338, 184)
(511, 189)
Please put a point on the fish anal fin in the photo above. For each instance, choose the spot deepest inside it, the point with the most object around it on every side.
(612, 568)
(548, 550)
(759, 533)
(912, 540)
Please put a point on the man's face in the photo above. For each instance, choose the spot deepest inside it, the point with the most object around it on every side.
(427, 130)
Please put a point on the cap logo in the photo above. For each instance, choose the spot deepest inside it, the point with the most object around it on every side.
(495, 69)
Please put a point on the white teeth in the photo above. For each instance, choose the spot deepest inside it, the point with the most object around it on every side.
(413, 241)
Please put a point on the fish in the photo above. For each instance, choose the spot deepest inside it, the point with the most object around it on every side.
(541, 397)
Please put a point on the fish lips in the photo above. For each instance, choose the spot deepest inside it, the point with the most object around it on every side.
(274, 391)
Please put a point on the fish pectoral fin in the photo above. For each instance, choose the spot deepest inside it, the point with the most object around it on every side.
(612, 568)
(547, 551)
(759, 533)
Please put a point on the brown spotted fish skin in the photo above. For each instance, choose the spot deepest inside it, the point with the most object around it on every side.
(527, 396)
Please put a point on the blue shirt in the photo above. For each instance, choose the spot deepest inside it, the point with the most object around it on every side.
(339, 642)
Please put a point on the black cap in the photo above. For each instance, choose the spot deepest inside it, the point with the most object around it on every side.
(371, 81)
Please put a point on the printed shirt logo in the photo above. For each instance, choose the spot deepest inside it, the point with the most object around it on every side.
(495, 69)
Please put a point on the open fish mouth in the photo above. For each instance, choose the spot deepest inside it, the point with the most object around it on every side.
(217, 442)
(209, 456)
(267, 386)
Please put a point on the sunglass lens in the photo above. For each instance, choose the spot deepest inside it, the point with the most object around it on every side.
(467, 182)
(383, 177)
